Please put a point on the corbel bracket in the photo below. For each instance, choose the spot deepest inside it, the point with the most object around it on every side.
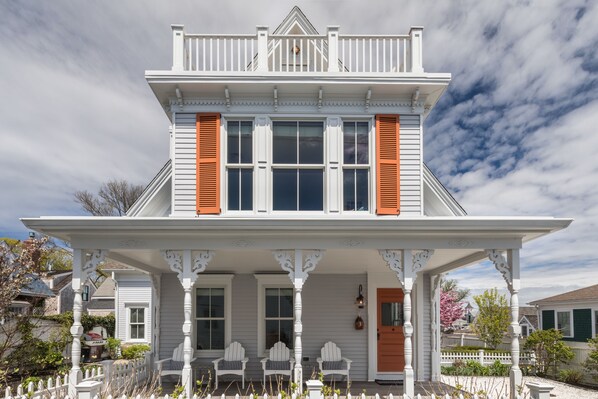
(501, 264)
(320, 98)
(368, 98)
(227, 97)
(298, 269)
(95, 258)
(179, 97)
(414, 99)
(275, 98)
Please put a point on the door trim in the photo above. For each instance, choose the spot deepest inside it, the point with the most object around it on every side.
(377, 280)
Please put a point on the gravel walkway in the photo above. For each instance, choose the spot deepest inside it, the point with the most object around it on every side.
(498, 386)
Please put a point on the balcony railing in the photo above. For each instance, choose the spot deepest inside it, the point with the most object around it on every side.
(264, 53)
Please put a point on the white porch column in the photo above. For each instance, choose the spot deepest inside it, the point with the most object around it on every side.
(406, 264)
(81, 270)
(156, 283)
(509, 268)
(435, 317)
(187, 268)
(298, 272)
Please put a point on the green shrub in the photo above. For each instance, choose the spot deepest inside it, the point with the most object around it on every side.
(591, 363)
(136, 351)
(113, 346)
(550, 350)
(497, 369)
(474, 368)
(570, 376)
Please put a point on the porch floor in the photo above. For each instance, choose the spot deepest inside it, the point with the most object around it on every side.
(231, 388)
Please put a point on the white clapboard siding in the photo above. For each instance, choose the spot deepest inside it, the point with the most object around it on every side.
(133, 291)
(410, 165)
(184, 164)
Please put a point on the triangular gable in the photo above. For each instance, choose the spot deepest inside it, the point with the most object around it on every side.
(295, 23)
(155, 200)
(438, 201)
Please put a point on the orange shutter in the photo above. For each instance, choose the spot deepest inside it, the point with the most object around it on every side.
(208, 163)
(387, 165)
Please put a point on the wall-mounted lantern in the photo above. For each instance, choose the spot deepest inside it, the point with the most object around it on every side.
(360, 300)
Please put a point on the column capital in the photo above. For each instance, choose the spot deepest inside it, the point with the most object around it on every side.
(297, 269)
(84, 264)
(186, 265)
(406, 269)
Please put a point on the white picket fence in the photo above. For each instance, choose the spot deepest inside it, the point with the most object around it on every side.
(117, 375)
(485, 358)
(294, 396)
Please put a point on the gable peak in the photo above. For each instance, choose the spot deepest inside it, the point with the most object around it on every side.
(295, 23)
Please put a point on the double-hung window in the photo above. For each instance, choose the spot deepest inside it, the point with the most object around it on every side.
(210, 318)
(279, 316)
(298, 166)
(136, 323)
(564, 323)
(356, 166)
(239, 165)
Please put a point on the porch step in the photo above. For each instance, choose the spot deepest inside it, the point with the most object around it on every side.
(388, 381)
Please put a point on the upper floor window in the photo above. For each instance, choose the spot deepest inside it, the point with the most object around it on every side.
(239, 165)
(356, 162)
(298, 166)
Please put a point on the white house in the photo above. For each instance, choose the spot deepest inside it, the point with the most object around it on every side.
(295, 178)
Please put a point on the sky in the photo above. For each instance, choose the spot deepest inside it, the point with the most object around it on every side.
(515, 134)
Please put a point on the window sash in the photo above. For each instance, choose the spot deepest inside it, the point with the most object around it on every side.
(216, 324)
(280, 322)
(564, 323)
(137, 323)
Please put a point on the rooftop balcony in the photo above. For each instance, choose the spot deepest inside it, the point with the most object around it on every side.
(264, 53)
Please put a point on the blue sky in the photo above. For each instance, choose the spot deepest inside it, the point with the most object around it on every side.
(514, 135)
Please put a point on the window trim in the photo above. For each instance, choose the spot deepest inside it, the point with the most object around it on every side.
(226, 165)
(267, 281)
(213, 281)
(137, 305)
(556, 322)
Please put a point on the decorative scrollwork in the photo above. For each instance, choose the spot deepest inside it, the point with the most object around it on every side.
(421, 258)
(501, 264)
(200, 262)
(312, 260)
(175, 261)
(393, 260)
(285, 259)
(97, 256)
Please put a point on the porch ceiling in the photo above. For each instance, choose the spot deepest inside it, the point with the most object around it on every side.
(243, 245)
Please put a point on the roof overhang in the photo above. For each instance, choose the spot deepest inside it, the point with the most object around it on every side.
(458, 241)
(227, 86)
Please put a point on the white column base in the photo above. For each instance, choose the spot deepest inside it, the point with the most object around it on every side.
(187, 381)
(408, 383)
(75, 377)
(298, 377)
(516, 382)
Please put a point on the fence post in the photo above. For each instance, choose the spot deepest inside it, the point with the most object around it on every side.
(333, 48)
(314, 388)
(539, 390)
(178, 47)
(107, 368)
(262, 48)
(88, 389)
(481, 356)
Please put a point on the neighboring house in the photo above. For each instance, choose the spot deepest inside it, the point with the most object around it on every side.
(295, 183)
(101, 302)
(32, 297)
(574, 313)
(528, 320)
(60, 282)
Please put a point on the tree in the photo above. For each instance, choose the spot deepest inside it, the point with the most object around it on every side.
(450, 285)
(549, 348)
(591, 363)
(113, 199)
(493, 317)
(451, 309)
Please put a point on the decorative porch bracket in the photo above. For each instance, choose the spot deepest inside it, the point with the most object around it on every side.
(187, 268)
(83, 266)
(406, 264)
(435, 317)
(510, 270)
(298, 273)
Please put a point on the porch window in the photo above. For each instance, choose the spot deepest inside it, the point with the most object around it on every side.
(136, 323)
(564, 323)
(356, 171)
(239, 165)
(279, 316)
(210, 319)
(298, 166)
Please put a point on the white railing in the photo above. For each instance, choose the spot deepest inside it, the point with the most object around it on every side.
(332, 52)
(485, 358)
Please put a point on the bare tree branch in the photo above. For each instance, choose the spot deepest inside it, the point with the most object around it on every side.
(114, 198)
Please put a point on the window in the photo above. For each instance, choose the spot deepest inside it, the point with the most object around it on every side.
(298, 166)
(524, 332)
(356, 181)
(564, 323)
(85, 293)
(210, 320)
(239, 165)
(136, 323)
(279, 316)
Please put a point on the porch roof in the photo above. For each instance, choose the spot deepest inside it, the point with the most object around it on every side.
(458, 241)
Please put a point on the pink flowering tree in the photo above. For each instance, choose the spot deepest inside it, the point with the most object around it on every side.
(451, 309)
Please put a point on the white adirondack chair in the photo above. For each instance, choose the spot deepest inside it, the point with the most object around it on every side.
(173, 365)
(331, 361)
(233, 362)
(278, 362)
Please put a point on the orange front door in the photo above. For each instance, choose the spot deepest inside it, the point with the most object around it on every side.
(391, 341)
